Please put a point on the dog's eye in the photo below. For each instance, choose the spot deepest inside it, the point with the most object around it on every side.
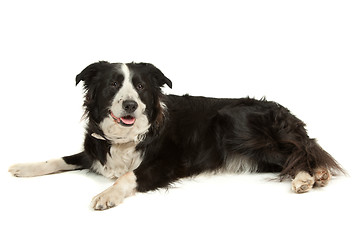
(140, 86)
(114, 84)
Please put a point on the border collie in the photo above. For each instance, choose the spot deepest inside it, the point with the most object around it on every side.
(147, 140)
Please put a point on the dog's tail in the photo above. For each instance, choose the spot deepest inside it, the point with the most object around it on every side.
(309, 157)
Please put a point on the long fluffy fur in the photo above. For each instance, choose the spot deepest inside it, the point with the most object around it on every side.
(192, 135)
(204, 134)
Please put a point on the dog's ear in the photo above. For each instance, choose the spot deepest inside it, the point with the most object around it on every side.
(91, 71)
(156, 75)
(160, 77)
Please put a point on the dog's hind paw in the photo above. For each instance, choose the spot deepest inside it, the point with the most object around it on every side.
(303, 182)
(322, 177)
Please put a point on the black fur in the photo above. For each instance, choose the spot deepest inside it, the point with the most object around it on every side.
(197, 134)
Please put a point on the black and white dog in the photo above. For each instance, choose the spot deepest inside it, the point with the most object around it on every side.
(146, 140)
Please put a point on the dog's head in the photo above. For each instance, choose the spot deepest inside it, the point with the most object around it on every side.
(123, 100)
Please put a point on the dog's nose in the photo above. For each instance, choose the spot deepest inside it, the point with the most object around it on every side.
(130, 106)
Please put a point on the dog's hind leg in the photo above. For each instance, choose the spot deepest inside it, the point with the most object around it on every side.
(48, 167)
(312, 166)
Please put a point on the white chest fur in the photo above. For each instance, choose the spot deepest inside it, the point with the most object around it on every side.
(121, 159)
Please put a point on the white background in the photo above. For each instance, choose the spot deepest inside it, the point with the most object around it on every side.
(303, 54)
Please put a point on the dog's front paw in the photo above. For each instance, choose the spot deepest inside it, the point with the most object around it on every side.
(109, 198)
(23, 170)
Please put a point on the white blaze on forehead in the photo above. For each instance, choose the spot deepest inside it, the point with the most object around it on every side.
(127, 90)
(125, 70)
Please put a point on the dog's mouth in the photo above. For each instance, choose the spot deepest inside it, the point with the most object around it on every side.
(126, 121)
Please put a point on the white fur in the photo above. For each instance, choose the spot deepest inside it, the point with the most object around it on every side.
(122, 159)
(114, 195)
(238, 163)
(40, 168)
(121, 134)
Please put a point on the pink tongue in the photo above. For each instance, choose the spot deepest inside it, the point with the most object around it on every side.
(128, 120)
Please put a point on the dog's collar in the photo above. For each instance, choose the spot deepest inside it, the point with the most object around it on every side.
(97, 136)
(140, 137)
